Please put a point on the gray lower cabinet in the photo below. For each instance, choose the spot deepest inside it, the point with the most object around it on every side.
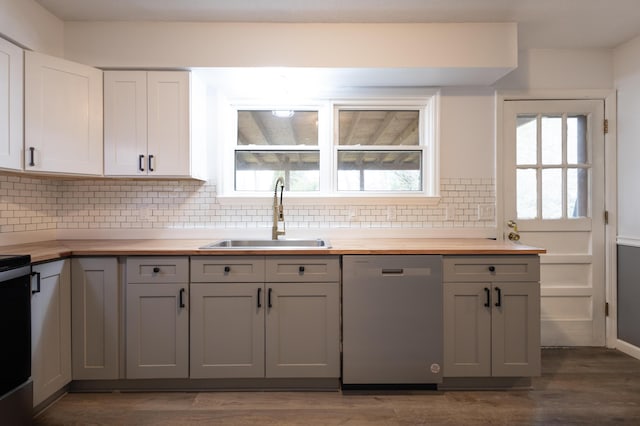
(245, 324)
(50, 328)
(491, 316)
(95, 312)
(157, 315)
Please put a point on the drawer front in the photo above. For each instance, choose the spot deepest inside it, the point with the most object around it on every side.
(288, 269)
(387, 268)
(491, 268)
(227, 269)
(157, 269)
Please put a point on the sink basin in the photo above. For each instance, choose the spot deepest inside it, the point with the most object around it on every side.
(268, 244)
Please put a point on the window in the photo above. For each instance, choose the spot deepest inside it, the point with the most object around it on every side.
(330, 148)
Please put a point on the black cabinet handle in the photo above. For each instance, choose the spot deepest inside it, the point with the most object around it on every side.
(488, 294)
(492, 268)
(150, 167)
(301, 269)
(269, 305)
(227, 269)
(392, 271)
(499, 302)
(37, 275)
(140, 160)
(156, 269)
(259, 297)
(32, 157)
(182, 291)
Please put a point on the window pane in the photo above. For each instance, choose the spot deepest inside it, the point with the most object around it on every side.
(577, 139)
(258, 170)
(551, 140)
(526, 140)
(526, 194)
(577, 193)
(384, 127)
(552, 194)
(379, 171)
(280, 127)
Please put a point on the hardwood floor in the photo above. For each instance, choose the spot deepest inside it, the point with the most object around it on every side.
(578, 386)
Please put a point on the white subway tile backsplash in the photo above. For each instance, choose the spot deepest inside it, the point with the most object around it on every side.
(28, 204)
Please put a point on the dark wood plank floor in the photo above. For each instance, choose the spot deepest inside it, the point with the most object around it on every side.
(578, 386)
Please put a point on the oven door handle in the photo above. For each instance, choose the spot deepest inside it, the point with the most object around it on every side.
(37, 275)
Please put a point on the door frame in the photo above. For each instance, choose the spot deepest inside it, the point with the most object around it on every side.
(610, 173)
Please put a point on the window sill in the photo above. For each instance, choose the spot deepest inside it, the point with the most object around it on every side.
(331, 200)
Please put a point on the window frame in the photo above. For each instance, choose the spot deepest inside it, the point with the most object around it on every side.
(426, 101)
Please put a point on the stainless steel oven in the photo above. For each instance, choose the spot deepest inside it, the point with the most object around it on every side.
(15, 340)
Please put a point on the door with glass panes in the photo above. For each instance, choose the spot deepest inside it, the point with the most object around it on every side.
(553, 197)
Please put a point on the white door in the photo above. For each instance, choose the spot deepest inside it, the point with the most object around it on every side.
(553, 193)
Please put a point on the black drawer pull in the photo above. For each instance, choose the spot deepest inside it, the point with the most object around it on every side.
(140, 166)
(492, 268)
(227, 269)
(259, 297)
(156, 269)
(269, 305)
(499, 302)
(301, 269)
(182, 291)
(37, 275)
(392, 271)
(488, 294)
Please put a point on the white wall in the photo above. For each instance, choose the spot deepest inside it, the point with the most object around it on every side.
(627, 82)
(28, 24)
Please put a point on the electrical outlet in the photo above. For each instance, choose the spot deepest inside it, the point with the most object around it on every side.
(486, 212)
(450, 213)
(354, 213)
(391, 213)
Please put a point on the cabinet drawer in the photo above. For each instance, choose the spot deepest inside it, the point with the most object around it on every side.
(157, 269)
(303, 269)
(491, 268)
(225, 269)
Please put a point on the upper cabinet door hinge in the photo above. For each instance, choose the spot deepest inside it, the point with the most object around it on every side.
(606, 217)
(606, 126)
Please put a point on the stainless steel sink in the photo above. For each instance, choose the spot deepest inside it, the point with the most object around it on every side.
(268, 244)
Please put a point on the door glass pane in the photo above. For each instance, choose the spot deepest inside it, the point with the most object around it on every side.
(551, 140)
(380, 127)
(379, 171)
(277, 127)
(526, 194)
(577, 193)
(577, 139)
(552, 193)
(258, 170)
(526, 140)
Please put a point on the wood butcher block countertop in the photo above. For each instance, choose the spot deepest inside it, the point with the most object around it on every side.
(51, 250)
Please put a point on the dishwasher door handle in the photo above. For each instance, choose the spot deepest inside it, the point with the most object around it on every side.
(398, 271)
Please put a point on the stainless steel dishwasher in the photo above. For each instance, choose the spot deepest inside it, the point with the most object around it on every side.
(392, 320)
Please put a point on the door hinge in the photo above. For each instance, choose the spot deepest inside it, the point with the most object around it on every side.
(606, 217)
(606, 309)
(606, 126)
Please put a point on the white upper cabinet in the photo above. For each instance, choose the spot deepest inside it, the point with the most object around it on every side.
(147, 124)
(63, 116)
(11, 98)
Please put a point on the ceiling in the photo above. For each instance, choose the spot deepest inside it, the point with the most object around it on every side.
(541, 23)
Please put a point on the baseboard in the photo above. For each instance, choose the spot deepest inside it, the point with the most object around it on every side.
(628, 349)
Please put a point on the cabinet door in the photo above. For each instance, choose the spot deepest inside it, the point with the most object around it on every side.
(303, 330)
(51, 329)
(157, 331)
(95, 318)
(63, 116)
(227, 330)
(516, 329)
(467, 329)
(168, 123)
(125, 123)
(11, 110)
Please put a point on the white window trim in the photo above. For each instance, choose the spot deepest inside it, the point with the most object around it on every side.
(425, 100)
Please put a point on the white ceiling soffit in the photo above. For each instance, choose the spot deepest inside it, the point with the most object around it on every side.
(541, 23)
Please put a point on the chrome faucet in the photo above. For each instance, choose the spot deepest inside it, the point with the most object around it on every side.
(278, 210)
